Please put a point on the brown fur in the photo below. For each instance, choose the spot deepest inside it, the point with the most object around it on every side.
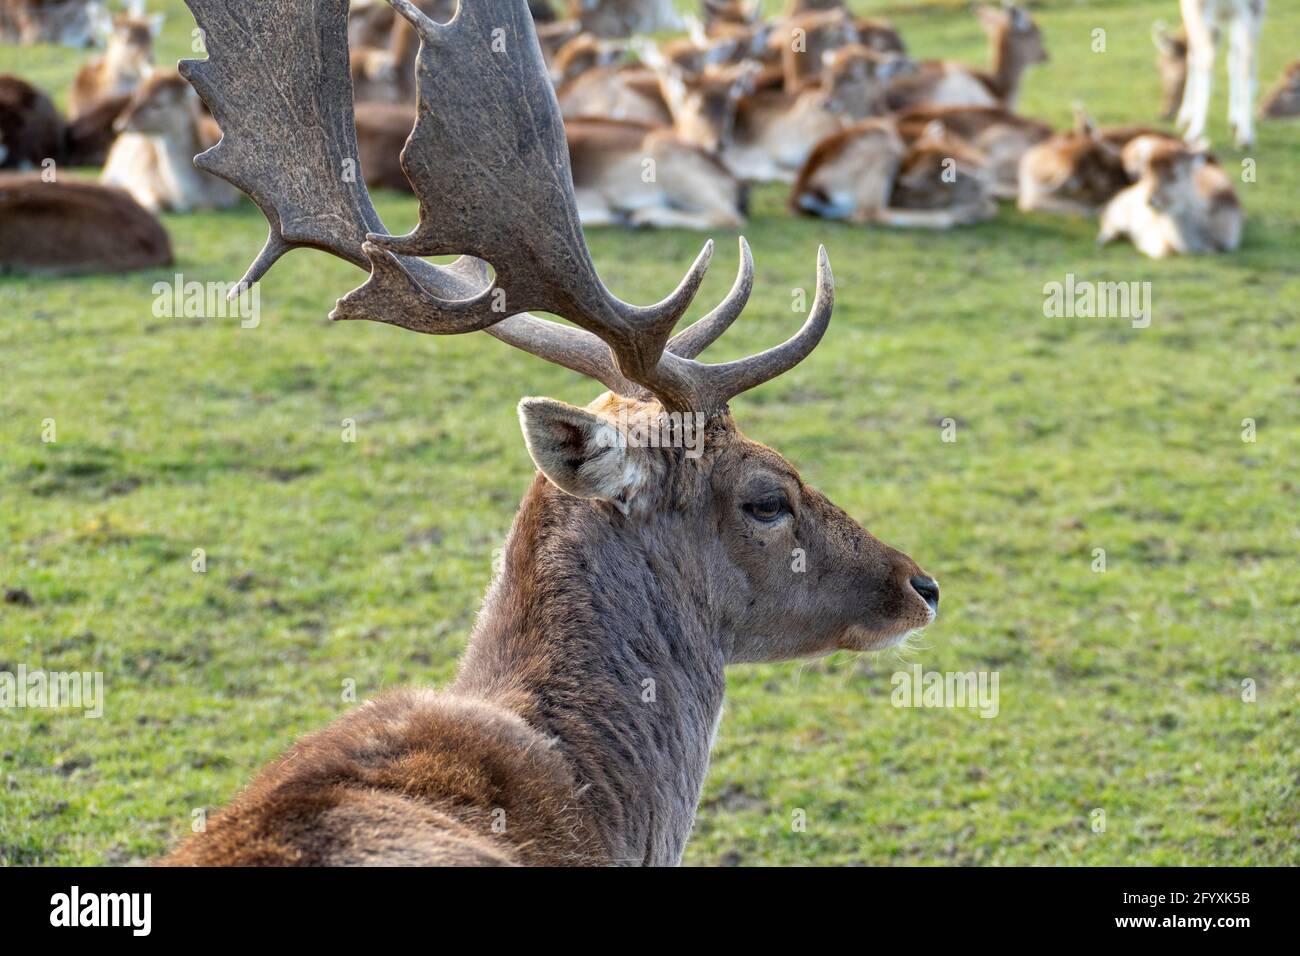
(1015, 44)
(545, 750)
(31, 130)
(90, 137)
(119, 71)
(1001, 137)
(1283, 101)
(68, 22)
(1171, 62)
(382, 131)
(162, 130)
(68, 227)
(623, 18)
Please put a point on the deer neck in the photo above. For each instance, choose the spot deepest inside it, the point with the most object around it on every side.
(1008, 66)
(602, 637)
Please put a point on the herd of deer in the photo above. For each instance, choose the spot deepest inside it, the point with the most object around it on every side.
(667, 135)
(579, 726)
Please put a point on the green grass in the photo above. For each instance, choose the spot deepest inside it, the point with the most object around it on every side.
(330, 562)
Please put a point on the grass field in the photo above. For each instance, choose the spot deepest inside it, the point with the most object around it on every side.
(330, 561)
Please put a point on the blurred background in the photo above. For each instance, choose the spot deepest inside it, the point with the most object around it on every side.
(999, 446)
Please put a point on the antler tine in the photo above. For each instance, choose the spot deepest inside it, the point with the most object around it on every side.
(724, 382)
(694, 340)
(426, 28)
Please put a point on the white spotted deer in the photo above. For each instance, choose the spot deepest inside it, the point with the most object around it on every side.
(629, 561)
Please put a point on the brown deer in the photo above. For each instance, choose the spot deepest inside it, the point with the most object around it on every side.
(153, 157)
(639, 566)
(868, 174)
(1181, 201)
(775, 131)
(1002, 138)
(622, 18)
(637, 175)
(1015, 45)
(1171, 62)
(74, 23)
(1283, 100)
(1074, 172)
(595, 78)
(126, 61)
(31, 129)
(66, 227)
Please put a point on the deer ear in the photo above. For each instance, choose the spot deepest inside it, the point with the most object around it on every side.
(580, 452)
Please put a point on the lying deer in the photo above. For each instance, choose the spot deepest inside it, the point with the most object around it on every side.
(637, 175)
(1171, 62)
(622, 18)
(74, 23)
(153, 158)
(1242, 20)
(1002, 138)
(1016, 44)
(774, 131)
(1074, 172)
(66, 227)
(127, 60)
(867, 174)
(1181, 201)
(1283, 101)
(578, 728)
(595, 78)
(31, 129)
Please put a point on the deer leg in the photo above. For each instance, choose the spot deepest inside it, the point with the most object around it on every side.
(665, 217)
(922, 218)
(1200, 72)
(1242, 48)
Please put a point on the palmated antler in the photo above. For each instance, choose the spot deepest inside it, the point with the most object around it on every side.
(489, 163)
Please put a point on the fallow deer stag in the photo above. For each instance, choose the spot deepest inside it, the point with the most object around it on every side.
(626, 562)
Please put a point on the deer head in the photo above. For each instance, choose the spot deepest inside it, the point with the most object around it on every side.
(130, 42)
(724, 515)
(1284, 99)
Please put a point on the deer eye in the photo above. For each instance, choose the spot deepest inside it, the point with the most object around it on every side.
(769, 509)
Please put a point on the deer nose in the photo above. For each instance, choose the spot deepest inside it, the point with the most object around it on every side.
(928, 588)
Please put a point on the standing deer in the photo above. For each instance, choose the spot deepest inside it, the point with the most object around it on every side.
(1242, 20)
(630, 560)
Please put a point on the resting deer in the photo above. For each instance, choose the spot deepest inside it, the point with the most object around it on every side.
(622, 18)
(595, 78)
(127, 60)
(1015, 45)
(868, 174)
(631, 559)
(637, 175)
(1002, 138)
(1242, 20)
(1074, 172)
(775, 131)
(31, 130)
(1283, 101)
(74, 23)
(153, 158)
(1171, 62)
(68, 227)
(1181, 201)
